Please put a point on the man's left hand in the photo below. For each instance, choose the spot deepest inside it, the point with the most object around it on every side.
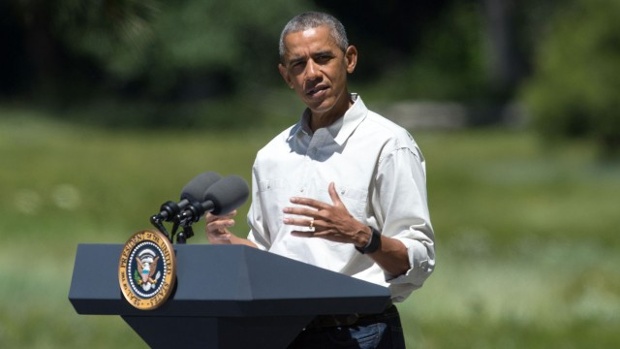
(328, 221)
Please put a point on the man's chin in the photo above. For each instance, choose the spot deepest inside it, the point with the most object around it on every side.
(320, 102)
(319, 108)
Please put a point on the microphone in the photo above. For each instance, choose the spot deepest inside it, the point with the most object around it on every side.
(221, 198)
(193, 191)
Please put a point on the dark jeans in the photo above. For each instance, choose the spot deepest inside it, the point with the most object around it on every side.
(385, 332)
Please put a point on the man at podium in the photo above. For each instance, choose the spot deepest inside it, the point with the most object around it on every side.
(343, 189)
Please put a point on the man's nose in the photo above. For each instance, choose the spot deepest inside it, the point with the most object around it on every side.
(312, 70)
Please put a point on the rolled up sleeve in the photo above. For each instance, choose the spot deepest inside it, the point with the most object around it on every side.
(401, 209)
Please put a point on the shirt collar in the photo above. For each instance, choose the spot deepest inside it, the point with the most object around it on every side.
(342, 128)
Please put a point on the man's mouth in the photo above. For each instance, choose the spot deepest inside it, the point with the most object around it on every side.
(316, 90)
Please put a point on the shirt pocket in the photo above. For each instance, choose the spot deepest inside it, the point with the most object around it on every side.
(272, 184)
(354, 199)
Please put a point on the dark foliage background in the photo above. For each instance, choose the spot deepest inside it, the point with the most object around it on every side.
(179, 64)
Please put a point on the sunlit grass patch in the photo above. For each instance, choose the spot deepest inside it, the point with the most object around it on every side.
(526, 237)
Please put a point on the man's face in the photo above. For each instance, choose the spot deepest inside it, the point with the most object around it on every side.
(316, 68)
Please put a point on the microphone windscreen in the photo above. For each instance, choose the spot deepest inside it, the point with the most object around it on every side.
(195, 189)
(227, 194)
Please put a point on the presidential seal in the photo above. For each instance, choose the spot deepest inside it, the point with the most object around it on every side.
(147, 269)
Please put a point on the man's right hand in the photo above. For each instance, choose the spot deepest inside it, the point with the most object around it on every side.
(217, 227)
(217, 231)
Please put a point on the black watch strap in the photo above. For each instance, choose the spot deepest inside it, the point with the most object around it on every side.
(374, 243)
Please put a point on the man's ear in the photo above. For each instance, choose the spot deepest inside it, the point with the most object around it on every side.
(350, 56)
(285, 75)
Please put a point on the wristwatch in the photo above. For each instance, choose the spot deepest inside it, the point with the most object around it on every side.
(374, 243)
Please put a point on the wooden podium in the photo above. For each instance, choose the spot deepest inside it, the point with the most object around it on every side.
(226, 296)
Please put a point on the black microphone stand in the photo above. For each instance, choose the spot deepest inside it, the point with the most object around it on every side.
(156, 221)
(187, 233)
(185, 221)
(185, 224)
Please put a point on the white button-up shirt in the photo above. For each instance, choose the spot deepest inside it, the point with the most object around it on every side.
(379, 173)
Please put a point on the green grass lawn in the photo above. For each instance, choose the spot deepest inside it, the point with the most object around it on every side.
(527, 243)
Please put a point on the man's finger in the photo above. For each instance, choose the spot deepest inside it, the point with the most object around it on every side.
(334, 194)
(209, 217)
(309, 202)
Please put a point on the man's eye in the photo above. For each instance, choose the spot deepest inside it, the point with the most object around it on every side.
(323, 59)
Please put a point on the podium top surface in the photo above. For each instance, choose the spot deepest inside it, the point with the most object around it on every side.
(225, 280)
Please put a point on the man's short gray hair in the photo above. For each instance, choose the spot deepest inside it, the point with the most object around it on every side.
(309, 20)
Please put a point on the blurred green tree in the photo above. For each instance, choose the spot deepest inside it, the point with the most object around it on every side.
(44, 35)
(183, 49)
(161, 45)
(447, 61)
(144, 63)
(575, 89)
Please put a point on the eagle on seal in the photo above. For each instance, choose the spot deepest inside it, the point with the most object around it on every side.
(147, 269)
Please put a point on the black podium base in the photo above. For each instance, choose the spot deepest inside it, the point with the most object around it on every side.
(224, 333)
